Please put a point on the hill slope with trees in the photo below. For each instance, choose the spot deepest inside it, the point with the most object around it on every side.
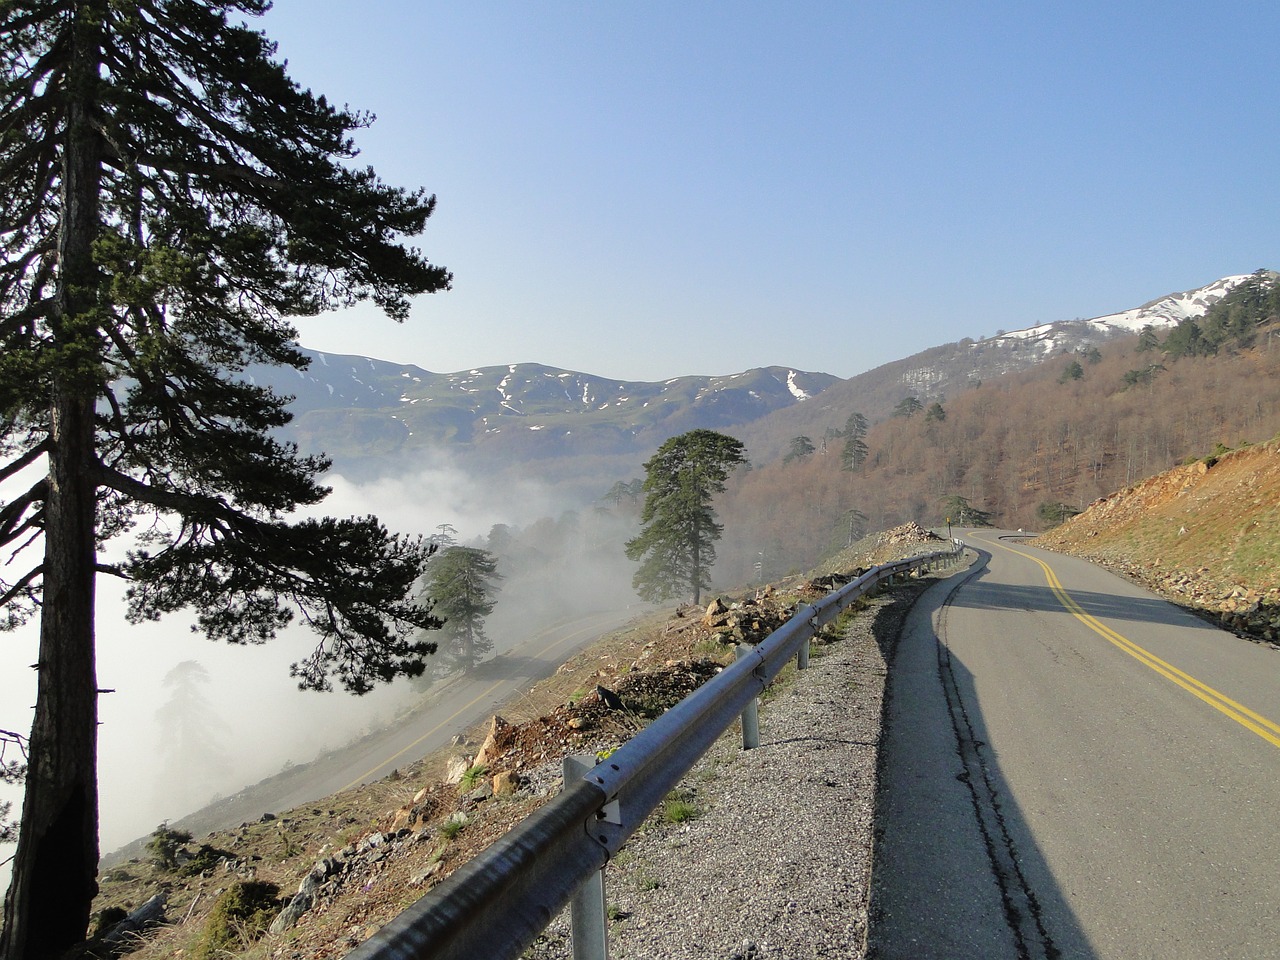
(1025, 449)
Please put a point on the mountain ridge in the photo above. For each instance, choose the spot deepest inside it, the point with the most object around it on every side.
(376, 416)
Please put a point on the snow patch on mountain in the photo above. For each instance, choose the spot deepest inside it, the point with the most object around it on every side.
(1171, 310)
(796, 392)
(1168, 311)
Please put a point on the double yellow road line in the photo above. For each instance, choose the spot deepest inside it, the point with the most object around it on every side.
(1266, 729)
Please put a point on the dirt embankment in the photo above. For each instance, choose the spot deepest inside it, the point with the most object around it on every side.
(332, 872)
(1205, 535)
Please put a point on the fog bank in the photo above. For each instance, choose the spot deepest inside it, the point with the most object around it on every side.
(165, 749)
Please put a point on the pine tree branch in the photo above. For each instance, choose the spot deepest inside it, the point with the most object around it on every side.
(24, 461)
(22, 586)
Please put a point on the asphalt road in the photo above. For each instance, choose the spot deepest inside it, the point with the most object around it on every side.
(449, 709)
(1072, 767)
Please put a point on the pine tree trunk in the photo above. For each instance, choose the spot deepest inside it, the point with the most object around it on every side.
(55, 869)
(56, 866)
(696, 562)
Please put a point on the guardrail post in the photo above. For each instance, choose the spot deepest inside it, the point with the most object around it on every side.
(751, 712)
(588, 920)
(802, 655)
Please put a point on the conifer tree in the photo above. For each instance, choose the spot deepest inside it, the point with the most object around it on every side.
(801, 447)
(169, 198)
(854, 451)
(192, 761)
(962, 513)
(461, 587)
(908, 407)
(1148, 339)
(676, 545)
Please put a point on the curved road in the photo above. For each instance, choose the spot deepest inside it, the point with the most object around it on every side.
(1072, 767)
(448, 710)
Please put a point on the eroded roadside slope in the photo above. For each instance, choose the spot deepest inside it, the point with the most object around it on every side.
(1205, 535)
(349, 863)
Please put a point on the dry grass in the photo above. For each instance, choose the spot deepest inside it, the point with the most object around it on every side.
(1225, 518)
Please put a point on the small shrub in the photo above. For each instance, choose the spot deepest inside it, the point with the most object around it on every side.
(165, 844)
(290, 847)
(472, 777)
(453, 826)
(205, 858)
(239, 917)
(680, 810)
(105, 919)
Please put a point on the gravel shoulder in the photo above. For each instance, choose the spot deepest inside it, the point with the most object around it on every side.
(776, 861)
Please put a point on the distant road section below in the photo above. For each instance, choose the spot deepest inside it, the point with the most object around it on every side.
(448, 709)
(1073, 767)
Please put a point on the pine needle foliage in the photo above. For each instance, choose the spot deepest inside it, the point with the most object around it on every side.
(169, 201)
(679, 530)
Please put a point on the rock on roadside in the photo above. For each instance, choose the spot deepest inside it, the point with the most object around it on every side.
(777, 860)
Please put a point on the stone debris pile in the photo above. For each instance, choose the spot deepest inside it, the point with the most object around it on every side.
(908, 533)
(745, 621)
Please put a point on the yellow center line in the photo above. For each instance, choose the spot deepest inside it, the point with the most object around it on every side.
(369, 773)
(1268, 730)
(468, 705)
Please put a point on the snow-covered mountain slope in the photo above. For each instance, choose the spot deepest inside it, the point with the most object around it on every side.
(358, 408)
(1167, 311)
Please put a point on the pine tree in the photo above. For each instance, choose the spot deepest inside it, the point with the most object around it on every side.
(1186, 340)
(676, 545)
(908, 407)
(168, 199)
(854, 451)
(13, 770)
(191, 760)
(962, 513)
(461, 587)
(801, 447)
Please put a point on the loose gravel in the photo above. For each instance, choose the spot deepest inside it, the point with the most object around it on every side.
(776, 859)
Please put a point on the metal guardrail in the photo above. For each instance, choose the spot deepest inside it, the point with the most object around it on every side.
(496, 904)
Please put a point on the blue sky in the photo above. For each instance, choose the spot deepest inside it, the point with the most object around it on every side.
(643, 191)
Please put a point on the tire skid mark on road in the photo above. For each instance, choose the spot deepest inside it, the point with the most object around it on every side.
(1021, 906)
(1255, 722)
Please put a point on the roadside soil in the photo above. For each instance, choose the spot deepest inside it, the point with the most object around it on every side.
(361, 857)
(1205, 535)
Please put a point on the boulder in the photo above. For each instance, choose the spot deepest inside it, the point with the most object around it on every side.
(454, 770)
(505, 783)
(292, 913)
(149, 915)
(494, 743)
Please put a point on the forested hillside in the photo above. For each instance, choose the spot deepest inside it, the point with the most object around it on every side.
(1023, 448)
(949, 369)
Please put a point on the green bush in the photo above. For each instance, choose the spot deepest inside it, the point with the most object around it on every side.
(679, 807)
(472, 776)
(239, 917)
(105, 919)
(164, 845)
(453, 826)
(205, 858)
